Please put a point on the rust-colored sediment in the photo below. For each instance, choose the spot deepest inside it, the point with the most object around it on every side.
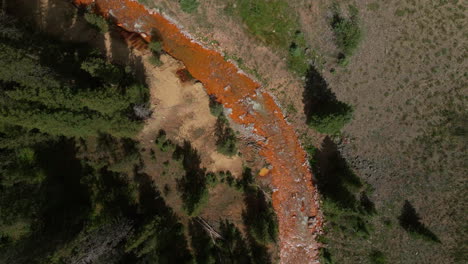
(294, 196)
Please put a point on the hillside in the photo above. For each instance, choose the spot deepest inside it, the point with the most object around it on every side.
(233, 131)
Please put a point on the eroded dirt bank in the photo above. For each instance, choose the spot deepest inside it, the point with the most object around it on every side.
(257, 116)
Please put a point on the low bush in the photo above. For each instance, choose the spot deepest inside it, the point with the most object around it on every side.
(347, 32)
(155, 46)
(216, 108)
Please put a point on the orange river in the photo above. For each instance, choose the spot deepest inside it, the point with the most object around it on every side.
(295, 199)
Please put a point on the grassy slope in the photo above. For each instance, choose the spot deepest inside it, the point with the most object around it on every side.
(406, 83)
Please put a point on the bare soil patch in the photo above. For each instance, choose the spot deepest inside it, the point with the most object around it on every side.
(182, 110)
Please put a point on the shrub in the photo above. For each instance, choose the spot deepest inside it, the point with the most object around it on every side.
(156, 49)
(155, 46)
(347, 33)
(216, 108)
(298, 57)
(211, 179)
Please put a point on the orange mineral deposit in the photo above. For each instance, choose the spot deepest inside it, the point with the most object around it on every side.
(263, 172)
(294, 196)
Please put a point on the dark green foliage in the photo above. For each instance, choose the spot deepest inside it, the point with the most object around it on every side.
(211, 179)
(259, 216)
(411, 222)
(20, 166)
(97, 21)
(298, 57)
(346, 205)
(246, 181)
(155, 60)
(325, 256)
(160, 237)
(377, 257)
(193, 185)
(335, 179)
(70, 186)
(163, 143)
(216, 108)
(259, 219)
(54, 209)
(226, 140)
(8, 28)
(204, 249)
(226, 177)
(74, 199)
(101, 69)
(311, 151)
(233, 246)
(65, 89)
(347, 32)
(189, 6)
(155, 47)
(323, 110)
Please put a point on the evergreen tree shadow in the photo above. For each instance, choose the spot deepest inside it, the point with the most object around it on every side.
(61, 203)
(258, 251)
(202, 244)
(67, 200)
(259, 219)
(258, 216)
(150, 200)
(316, 94)
(233, 247)
(114, 193)
(410, 221)
(367, 206)
(322, 109)
(335, 179)
(172, 246)
(192, 185)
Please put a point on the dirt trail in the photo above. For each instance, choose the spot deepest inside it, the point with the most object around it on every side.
(258, 117)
